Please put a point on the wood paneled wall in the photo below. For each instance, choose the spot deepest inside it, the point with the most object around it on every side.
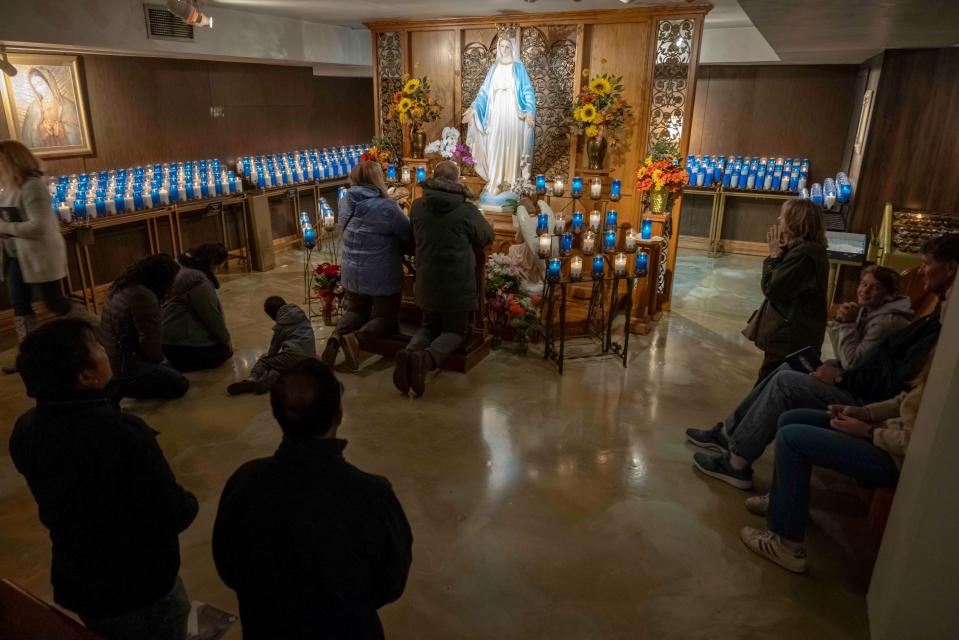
(775, 110)
(912, 152)
(158, 110)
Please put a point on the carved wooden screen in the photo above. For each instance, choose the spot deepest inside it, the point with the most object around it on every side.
(674, 48)
(549, 54)
(390, 66)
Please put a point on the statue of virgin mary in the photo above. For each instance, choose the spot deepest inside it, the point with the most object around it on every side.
(501, 120)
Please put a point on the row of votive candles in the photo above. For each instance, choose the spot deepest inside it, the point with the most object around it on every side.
(576, 189)
(830, 191)
(124, 190)
(577, 221)
(309, 230)
(405, 174)
(748, 172)
(554, 266)
(610, 240)
(299, 166)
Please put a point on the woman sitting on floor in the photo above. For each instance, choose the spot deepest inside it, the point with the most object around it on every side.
(194, 329)
(866, 443)
(880, 309)
(130, 331)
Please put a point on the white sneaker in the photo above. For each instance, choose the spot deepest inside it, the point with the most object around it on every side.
(769, 545)
(758, 505)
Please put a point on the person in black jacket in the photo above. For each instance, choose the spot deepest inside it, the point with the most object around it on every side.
(793, 314)
(131, 331)
(312, 545)
(103, 489)
(889, 370)
(448, 231)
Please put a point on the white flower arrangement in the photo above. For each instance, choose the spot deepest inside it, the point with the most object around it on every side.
(446, 145)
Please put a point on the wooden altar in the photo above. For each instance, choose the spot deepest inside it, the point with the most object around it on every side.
(654, 48)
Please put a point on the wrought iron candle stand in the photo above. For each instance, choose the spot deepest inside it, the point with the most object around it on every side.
(599, 318)
(327, 249)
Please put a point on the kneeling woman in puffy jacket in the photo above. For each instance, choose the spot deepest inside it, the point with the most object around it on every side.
(194, 329)
(376, 233)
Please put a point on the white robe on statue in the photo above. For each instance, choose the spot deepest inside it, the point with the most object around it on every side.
(498, 152)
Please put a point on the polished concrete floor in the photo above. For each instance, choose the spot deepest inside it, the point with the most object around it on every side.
(542, 506)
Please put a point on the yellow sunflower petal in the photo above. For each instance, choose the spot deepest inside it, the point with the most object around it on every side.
(411, 85)
(592, 131)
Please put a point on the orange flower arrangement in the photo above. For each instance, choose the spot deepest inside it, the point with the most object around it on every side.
(665, 172)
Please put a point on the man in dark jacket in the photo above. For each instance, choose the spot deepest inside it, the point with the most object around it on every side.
(293, 341)
(890, 369)
(312, 545)
(103, 489)
(448, 231)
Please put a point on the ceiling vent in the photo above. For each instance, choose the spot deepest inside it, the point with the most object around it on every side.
(163, 25)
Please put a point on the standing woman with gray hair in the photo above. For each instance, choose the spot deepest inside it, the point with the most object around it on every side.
(33, 252)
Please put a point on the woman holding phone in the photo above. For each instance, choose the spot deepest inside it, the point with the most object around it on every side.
(33, 252)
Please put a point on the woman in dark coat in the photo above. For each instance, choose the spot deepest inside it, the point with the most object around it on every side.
(130, 330)
(794, 281)
(376, 234)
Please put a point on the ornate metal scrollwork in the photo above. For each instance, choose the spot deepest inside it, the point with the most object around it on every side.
(390, 68)
(674, 46)
(550, 59)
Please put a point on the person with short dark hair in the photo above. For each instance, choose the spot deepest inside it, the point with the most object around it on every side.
(103, 489)
(194, 327)
(131, 330)
(886, 372)
(449, 232)
(293, 341)
(312, 545)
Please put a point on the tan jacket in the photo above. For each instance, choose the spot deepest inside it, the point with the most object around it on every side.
(41, 251)
(896, 418)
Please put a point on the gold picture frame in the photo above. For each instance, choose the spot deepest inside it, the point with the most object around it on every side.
(45, 105)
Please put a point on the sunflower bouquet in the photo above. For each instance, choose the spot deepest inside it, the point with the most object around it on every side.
(413, 104)
(600, 111)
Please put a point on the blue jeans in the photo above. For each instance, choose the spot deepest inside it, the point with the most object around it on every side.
(752, 426)
(805, 440)
(22, 293)
(165, 619)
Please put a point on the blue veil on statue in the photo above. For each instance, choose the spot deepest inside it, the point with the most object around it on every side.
(502, 143)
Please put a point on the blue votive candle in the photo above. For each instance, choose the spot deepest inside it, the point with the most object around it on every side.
(609, 240)
(553, 269)
(577, 223)
(309, 236)
(540, 185)
(615, 190)
(611, 219)
(642, 263)
(577, 188)
(566, 244)
(599, 267)
(391, 172)
(542, 224)
(646, 229)
(420, 174)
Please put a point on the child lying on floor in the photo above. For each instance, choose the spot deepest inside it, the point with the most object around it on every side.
(293, 341)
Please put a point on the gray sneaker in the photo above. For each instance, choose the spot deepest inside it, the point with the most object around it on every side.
(712, 439)
(769, 545)
(758, 505)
